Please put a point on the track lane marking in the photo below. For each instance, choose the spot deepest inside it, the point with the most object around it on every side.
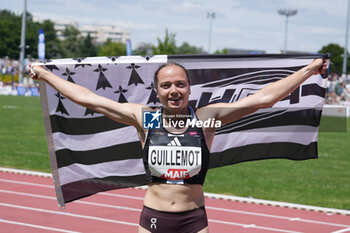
(253, 226)
(275, 216)
(208, 207)
(132, 224)
(341, 231)
(68, 214)
(36, 226)
(78, 201)
(328, 211)
(53, 187)
(214, 208)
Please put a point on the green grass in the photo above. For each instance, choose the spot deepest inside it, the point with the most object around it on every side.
(322, 182)
(22, 134)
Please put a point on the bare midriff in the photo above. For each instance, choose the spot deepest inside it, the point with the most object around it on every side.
(174, 197)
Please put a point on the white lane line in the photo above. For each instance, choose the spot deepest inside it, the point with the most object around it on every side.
(328, 211)
(132, 224)
(121, 195)
(26, 183)
(68, 214)
(25, 172)
(208, 207)
(78, 201)
(52, 187)
(253, 226)
(341, 231)
(37, 226)
(275, 216)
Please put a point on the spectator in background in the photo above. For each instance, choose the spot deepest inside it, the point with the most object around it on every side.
(330, 92)
(9, 71)
(341, 91)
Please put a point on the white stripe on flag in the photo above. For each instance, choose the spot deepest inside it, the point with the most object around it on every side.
(242, 63)
(95, 141)
(305, 135)
(106, 60)
(76, 172)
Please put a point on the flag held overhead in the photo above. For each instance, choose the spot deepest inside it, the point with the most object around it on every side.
(90, 153)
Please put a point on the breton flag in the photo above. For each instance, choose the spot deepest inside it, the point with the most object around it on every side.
(90, 153)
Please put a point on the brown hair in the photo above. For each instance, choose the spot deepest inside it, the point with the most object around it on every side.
(155, 78)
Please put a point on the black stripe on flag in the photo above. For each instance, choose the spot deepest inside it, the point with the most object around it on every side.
(313, 89)
(84, 188)
(82, 126)
(132, 150)
(240, 57)
(225, 77)
(308, 117)
(276, 150)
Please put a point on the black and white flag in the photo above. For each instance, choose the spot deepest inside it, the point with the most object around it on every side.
(90, 153)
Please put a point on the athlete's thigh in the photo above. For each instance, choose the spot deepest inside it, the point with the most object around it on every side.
(205, 230)
(143, 230)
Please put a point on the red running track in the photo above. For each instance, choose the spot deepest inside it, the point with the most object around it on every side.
(28, 204)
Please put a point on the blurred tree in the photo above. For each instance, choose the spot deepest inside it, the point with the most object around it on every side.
(337, 54)
(87, 48)
(71, 44)
(186, 48)
(143, 49)
(223, 51)
(10, 34)
(32, 33)
(140, 51)
(167, 46)
(110, 48)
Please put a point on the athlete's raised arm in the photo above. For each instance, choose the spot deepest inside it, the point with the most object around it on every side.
(126, 113)
(266, 97)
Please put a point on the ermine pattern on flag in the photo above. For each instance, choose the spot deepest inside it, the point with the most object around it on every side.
(90, 153)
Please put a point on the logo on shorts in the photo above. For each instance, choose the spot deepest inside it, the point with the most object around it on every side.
(153, 223)
(151, 120)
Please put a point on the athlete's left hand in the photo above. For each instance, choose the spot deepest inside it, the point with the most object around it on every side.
(319, 66)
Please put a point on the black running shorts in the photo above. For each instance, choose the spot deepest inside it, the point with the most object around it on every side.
(191, 221)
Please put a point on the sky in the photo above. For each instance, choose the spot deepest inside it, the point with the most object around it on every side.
(238, 24)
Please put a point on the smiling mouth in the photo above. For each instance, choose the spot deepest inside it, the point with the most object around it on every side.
(175, 99)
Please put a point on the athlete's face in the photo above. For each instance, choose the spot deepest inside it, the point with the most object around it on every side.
(173, 88)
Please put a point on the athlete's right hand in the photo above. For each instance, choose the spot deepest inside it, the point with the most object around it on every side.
(36, 71)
